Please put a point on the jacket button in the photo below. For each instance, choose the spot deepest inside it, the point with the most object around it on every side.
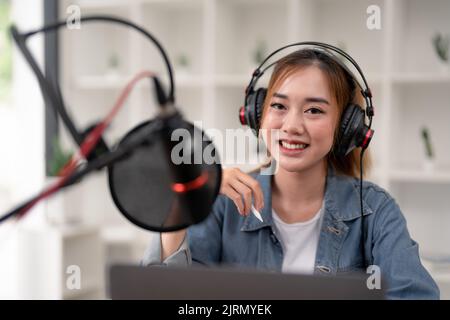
(324, 269)
(334, 230)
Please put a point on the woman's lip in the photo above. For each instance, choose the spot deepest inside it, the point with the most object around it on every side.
(293, 141)
(290, 151)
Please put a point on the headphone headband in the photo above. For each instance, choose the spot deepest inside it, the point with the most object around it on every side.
(365, 90)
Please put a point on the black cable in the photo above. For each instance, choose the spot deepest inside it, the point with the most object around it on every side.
(113, 19)
(363, 238)
(53, 93)
(171, 95)
(143, 137)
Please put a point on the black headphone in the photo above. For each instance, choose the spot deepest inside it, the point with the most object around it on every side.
(353, 131)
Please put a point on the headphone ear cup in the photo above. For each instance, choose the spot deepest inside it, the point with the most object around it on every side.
(352, 130)
(254, 107)
(259, 104)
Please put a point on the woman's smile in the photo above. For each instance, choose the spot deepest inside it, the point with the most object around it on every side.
(292, 148)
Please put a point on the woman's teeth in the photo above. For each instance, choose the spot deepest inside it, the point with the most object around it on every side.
(293, 146)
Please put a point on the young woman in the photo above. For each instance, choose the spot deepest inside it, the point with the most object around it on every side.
(310, 206)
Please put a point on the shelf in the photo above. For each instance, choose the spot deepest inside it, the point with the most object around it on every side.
(65, 231)
(373, 78)
(237, 81)
(189, 81)
(250, 3)
(439, 268)
(118, 235)
(102, 82)
(236, 54)
(73, 231)
(416, 23)
(89, 288)
(105, 82)
(420, 78)
(441, 277)
(58, 249)
(351, 33)
(242, 80)
(232, 80)
(440, 272)
(413, 108)
(170, 3)
(443, 281)
(179, 26)
(125, 4)
(102, 4)
(421, 176)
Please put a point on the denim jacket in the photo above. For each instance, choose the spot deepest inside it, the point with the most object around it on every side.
(225, 237)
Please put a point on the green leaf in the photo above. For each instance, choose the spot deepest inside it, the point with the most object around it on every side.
(59, 158)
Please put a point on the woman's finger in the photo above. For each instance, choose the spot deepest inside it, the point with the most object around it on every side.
(245, 192)
(235, 197)
(254, 185)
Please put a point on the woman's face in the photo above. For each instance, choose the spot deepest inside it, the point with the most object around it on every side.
(300, 120)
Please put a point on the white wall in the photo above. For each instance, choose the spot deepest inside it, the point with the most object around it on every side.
(22, 144)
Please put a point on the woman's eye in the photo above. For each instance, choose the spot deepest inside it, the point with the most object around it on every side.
(314, 111)
(278, 106)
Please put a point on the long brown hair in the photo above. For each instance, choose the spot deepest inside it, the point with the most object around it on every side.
(343, 89)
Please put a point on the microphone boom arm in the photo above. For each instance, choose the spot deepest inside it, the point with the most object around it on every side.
(106, 159)
(51, 94)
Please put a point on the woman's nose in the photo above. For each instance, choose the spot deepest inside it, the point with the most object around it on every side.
(293, 123)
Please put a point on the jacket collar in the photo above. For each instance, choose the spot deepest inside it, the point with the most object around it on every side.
(341, 200)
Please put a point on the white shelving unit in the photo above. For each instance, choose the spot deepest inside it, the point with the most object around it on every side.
(218, 38)
(47, 256)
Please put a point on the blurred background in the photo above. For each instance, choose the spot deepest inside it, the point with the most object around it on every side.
(214, 45)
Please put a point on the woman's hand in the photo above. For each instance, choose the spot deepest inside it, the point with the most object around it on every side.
(241, 188)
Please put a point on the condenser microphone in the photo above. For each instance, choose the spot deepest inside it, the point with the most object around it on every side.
(170, 183)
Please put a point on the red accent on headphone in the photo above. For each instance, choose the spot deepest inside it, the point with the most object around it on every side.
(367, 138)
(191, 185)
(242, 116)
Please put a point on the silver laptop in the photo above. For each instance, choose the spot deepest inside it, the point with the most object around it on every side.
(201, 283)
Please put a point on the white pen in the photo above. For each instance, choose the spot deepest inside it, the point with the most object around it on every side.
(257, 214)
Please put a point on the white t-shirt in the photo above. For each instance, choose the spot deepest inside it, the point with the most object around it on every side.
(299, 242)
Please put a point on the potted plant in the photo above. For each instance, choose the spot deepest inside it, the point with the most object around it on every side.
(58, 159)
(55, 211)
(182, 63)
(429, 154)
(259, 52)
(113, 66)
(441, 45)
